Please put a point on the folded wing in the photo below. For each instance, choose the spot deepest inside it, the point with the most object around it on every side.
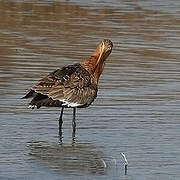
(71, 86)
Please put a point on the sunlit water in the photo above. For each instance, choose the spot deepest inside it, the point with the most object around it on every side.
(137, 109)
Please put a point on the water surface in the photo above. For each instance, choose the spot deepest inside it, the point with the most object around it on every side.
(137, 108)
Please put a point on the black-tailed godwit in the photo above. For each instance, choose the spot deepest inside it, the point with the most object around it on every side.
(73, 86)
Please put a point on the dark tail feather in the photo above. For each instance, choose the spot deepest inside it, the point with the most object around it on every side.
(30, 94)
(43, 100)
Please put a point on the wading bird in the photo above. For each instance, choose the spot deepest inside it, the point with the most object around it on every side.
(73, 86)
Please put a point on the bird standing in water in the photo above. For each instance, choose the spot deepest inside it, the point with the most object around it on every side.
(73, 86)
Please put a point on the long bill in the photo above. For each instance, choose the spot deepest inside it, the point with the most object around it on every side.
(100, 56)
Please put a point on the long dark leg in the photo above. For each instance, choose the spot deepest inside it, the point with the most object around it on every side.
(74, 124)
(61, 122)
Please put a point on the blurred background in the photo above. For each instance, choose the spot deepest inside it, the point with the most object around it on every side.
(137, 108)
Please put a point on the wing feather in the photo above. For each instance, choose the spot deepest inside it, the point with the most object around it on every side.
(71, 84)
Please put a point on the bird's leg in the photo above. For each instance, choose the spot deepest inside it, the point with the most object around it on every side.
(74, 123)
(61, 122)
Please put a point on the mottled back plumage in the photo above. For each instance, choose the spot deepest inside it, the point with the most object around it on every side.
(71, 86)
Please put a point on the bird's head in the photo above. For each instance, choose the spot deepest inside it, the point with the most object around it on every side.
(95, 64)
(103, 50)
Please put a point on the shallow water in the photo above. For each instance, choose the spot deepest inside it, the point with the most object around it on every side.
(137, 108)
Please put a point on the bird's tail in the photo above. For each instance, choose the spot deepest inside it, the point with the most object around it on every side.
(30, 94)
(43, 100)
(40, 100)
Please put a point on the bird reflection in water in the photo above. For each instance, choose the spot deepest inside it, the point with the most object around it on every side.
(68, 159)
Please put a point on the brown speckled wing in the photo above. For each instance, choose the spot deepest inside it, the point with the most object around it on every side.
(72, 85)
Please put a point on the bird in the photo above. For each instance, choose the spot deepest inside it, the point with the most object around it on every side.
(73, 86)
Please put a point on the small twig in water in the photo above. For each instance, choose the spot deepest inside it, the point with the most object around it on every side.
(104, 163)
(126, 162)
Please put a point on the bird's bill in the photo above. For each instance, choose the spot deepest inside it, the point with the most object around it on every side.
(104, 52)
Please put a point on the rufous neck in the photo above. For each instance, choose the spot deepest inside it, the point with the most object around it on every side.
(94, 65)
